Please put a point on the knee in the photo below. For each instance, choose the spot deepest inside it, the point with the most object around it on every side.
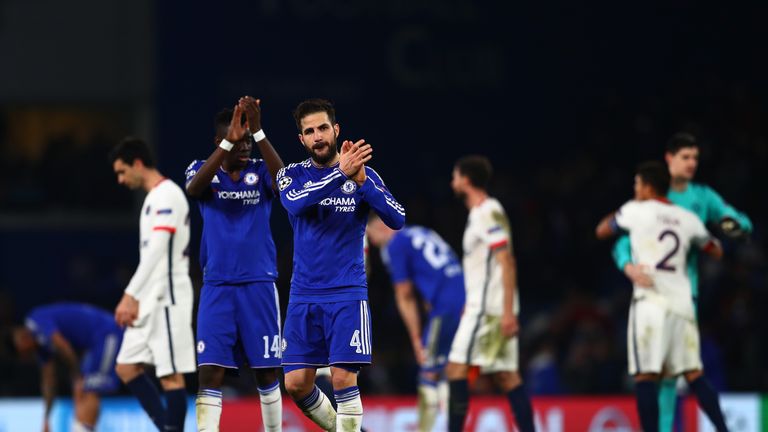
(265, 377)
(210, 377)
(508, 381)
(127, 372)
(342, 378)
(297, 388)
(456, 371)
(692, 376)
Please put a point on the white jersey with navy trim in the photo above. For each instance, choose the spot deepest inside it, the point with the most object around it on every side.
(487, 229)
(166, 209)
(661, 234)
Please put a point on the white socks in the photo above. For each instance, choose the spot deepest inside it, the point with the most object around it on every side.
(350, 410)
(208, 406)
(319, 409)
(271, 407)
(429, 405)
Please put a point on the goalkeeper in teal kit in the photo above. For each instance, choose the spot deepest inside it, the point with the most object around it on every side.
(682, 156)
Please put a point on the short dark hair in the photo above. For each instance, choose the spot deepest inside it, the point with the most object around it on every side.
(311, 106)
(656, 174)
(679, 141)
(129, 149)
(477, 168)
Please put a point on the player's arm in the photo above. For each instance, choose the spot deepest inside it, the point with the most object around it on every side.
(704, 240)
(198, 185)
(381, 200)
(733, 222)
(268, 153)
(64, 351)
(408, 305)
(607, 228)
(503, 254)
(127, 311)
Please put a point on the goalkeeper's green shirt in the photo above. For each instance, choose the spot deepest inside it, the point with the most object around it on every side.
(708, 205)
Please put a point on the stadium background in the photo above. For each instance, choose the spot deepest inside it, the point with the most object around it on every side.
(565, 100)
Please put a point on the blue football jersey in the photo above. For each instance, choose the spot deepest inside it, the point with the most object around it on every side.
(82, 325)
(236, 244)
(420, 255)
(328, 213)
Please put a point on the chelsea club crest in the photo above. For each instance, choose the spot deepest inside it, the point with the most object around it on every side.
(349, 187)
(251, 178)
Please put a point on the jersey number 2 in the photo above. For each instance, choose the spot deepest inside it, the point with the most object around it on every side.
(663, 264)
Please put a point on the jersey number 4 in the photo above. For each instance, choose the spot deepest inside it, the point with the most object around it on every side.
(664, 264)
(355, 342)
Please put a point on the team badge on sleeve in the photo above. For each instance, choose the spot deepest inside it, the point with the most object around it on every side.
(251, 178)
(284, 183)
(349, 187)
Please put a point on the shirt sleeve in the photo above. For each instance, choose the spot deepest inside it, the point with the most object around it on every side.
(265, 177)
(381, 200)
(625, 216)
(297, 198)
(398, 260)
(717, 209)
(191, 171)
(495, 231)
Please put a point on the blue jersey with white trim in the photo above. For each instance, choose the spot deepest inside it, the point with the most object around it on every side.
(82, 325)
(236, 244)
(328, 213)
(420, 255)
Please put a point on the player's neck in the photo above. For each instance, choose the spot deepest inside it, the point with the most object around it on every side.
(679, 184)
(475, 197)
(151, 179)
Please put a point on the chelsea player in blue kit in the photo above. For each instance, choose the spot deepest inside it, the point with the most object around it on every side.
(417, 256)
(86, 338)
(239, 312)
(328, 198)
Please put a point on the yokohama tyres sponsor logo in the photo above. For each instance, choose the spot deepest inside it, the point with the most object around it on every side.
(249, 194)
(338, 201)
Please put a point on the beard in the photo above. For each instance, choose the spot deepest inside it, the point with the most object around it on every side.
(324, 158)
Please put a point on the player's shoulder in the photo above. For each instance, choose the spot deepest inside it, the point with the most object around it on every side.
(491, 206)
(293, 169)
(167, 193)
(194, 165)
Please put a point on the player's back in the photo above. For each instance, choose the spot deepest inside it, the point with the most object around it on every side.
(165, 208)
(80, 324)
(661, 234)
(419, 254)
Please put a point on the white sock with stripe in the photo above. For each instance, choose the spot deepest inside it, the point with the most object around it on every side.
(350, 409)
(429, 404)
(318, 408)
(271, 407)
(208, 407)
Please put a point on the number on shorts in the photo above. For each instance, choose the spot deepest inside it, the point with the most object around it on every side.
(275, 347)
(663, 264)
(355, 342)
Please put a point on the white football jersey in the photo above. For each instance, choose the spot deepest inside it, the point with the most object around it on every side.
(487, 229)
(166, 208)
(661, 235)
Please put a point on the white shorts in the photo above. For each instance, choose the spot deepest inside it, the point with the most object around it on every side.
(164, 340)
(479, 342)
(659, 341)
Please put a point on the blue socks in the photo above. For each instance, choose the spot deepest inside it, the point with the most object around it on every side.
(709, 402)
(458, 403)
(149, 398)
(521, 406)
(177, 410)
(647, 395)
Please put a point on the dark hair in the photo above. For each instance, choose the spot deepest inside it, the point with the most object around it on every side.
(311, 106)
(679, 141)
(656, 174)
(130, 149)
(477, 168)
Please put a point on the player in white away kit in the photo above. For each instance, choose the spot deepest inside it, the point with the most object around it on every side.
(662, 334)
(487, 333)
(156, 308)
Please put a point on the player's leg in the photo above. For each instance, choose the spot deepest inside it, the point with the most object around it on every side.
(462, 354)
(436, 340)
(98, 377)
(216, 340)
(667, 403)
(86, 408)
(134, 351)
(172, 346)
(304, 350)
(511, 384)
(258, 322)
(646, 350)
(348, 331)
(707, 397)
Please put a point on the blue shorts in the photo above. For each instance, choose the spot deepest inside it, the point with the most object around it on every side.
(437, 338)
(322, 334)
(239, 325)
(98, 365)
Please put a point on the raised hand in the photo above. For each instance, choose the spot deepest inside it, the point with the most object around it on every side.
(353, 158)
(236, 127)
(252, 113)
